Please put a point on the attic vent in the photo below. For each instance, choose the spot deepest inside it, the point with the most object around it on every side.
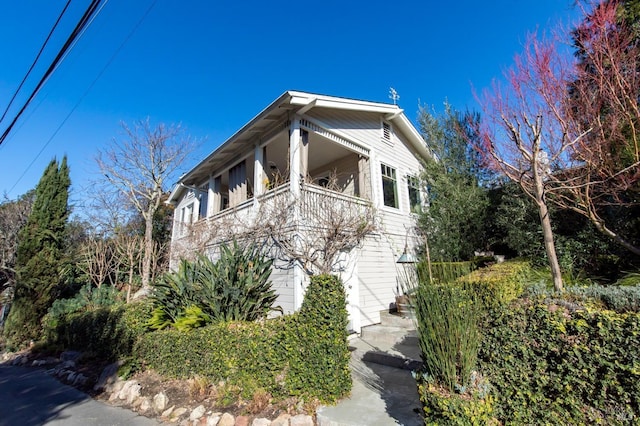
(386, 131)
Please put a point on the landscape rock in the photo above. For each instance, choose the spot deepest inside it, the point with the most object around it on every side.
(134, 392)
(261, 422)
(242, 421)
(213, 419)
(145, 405)
(301, 420)
(175, 415)
(160, 402)
(124, 391)
(227, 420)
(281, 420)
(70, 356)
(108, 376)
(197, 412)
(168, 411)
(80, 380)
(115, 390)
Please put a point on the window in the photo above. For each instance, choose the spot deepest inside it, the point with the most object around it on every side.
(386, 131)
(203, 195)
(187, 214)
(389, 188)
(415, 200)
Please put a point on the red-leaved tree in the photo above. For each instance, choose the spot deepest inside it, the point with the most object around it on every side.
(565, 127)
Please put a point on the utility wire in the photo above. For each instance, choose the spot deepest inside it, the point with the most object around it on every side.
(33, 64)
(111, 59)
(70, 41)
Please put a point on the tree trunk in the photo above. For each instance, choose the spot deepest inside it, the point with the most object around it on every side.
(148, 252)
(547, 232)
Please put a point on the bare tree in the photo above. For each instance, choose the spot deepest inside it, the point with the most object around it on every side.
(98, 261)
(128, 250)
(523, 131)
(566, 130)
(140, 167)
(604, 102)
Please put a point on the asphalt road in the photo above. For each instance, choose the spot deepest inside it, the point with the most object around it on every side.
(29, 396)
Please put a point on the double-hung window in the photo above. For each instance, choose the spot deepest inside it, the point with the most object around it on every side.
(389, 186)
(415, 200)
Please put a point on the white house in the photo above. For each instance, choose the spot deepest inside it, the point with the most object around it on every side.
(300, 160)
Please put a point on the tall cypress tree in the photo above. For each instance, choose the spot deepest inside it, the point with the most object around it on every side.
(40, 257)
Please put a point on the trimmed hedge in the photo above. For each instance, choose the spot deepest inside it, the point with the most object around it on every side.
(498, 284)
(548, 365)
(108, 332)
(304, 354)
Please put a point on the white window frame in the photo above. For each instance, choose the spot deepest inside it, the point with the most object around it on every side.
(390, 174)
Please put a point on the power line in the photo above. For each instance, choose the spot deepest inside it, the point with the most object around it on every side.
(111, 59)
(79, 28)
(33, 64)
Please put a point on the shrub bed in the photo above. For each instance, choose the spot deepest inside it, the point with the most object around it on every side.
(499, 283)
(304, 354)
(548, 365)
(108, 332)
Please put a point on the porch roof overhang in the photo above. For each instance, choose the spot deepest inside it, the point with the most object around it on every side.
(280, 110)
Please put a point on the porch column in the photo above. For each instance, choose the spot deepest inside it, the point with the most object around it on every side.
(213, 206)
(364, 178)
(258, 172)
(295, 157)
(304, 155)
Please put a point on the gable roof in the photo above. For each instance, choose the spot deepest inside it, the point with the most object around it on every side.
(296, 102)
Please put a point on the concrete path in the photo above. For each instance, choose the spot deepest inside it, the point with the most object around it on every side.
(384, 392)
(29, 396)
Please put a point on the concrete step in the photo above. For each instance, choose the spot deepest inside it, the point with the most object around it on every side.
(389, 334)
(396, 320)
(390, 346)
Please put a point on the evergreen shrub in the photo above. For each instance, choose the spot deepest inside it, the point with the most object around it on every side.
(498, 284)
(109, 332)
(304, 354)
(551, 365)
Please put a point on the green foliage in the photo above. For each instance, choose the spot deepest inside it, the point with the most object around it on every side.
(498, 284)
(108, 332)
(447, 318)
(454, 221)
(551, 365)
(620, 299)
(88, 298)
(40, 263)
(235, 288)
(319, 360)
(304, 354)
(441, 406)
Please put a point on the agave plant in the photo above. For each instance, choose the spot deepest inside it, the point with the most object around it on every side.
(173, 293)
(235, 288)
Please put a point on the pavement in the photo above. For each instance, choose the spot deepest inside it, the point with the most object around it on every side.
(29, 396)
(384, 392)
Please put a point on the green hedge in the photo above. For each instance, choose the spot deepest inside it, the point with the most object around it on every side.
(500, 283)
(304, 354)
(548, 365)
(108, 332)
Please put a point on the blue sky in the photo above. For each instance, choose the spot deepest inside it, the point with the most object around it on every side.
(213, 65)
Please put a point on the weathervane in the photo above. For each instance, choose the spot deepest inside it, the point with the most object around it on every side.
(393, 95)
